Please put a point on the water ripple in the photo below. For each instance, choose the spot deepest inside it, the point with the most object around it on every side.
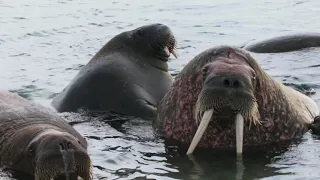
(43, 44)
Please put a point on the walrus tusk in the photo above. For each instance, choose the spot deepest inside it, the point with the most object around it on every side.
(174, 52)
(201, 129)
(239, 133)
(204, 124)
(166, 50)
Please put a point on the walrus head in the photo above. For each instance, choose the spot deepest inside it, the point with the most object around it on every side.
(57, 155)
(153, 43)
(223, 99)
(156, 40)
(227, 93)
(216, 98)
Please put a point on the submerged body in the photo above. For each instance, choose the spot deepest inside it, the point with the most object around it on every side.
(129, 75)
(221, 83)
(36, 141)
(285, 43)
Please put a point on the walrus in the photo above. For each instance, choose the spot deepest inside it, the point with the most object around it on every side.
(128, 75)
(223, 99)
(285, 43)
(36, 141)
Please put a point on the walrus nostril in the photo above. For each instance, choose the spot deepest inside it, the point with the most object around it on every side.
(65, 146)
(232, 82)
(236, 84)
(69, 145)
(62, 146)
(226, 82)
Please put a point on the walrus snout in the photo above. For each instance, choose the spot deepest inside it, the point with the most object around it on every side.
(228, 88)
(166, 40)
(57, 155)
(228, 82)
(161, 39)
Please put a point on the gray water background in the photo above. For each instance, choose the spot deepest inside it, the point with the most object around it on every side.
(44, 43)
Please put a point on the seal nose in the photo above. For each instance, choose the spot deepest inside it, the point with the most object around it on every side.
(234, 82)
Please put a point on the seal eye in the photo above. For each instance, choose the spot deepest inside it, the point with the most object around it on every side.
(31, 151)
(79, 142)
(140, 32)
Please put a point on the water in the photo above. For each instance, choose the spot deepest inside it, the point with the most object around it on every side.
(43, 44)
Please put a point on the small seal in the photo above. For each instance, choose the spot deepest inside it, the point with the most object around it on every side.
(36, 141)
(286, 43)
(129, 75)
(223, 99)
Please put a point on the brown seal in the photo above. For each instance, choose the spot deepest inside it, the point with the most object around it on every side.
(36, 141)
(225, 83)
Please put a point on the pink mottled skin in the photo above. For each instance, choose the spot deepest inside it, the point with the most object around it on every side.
(233, 65)
(280, 117)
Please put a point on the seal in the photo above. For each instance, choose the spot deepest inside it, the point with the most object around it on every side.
(286, 43)
(128, 75)
(36, 141)
(223, 99)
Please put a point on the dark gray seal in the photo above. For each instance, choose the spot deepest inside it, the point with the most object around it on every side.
(36, 141)
(285, 43)
(129, 75)
(223, 99)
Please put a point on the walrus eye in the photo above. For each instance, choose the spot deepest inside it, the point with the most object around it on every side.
(31, 151)
(140, 32)
(204, 72)
(253, 78)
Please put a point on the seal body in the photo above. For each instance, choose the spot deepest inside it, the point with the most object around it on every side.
(285, 43)
(34, 140)
(229, 81)
(129, 75)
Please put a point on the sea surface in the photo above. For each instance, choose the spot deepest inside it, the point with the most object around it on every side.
(44, 43)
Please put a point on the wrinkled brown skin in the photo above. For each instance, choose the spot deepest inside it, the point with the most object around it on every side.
(284, 112)
(20, 122)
